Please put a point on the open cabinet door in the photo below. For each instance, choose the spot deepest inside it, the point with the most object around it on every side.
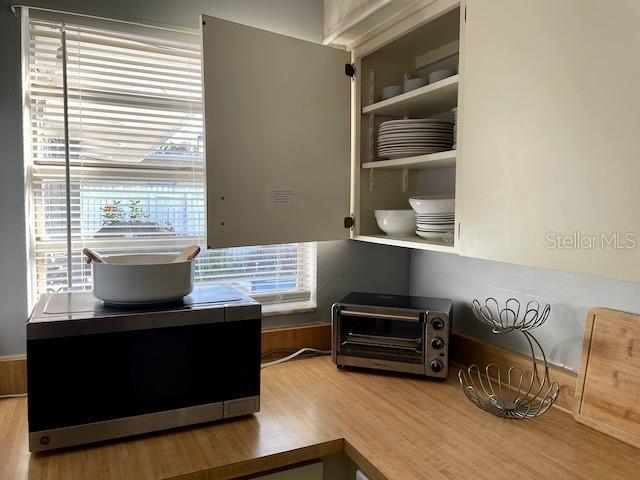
(277, 123)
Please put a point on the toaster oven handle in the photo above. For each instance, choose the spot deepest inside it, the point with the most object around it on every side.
(384, 316)
(383, 341)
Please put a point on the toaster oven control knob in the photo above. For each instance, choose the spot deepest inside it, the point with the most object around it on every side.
(437, 343)
(437, 324)
(436, 366)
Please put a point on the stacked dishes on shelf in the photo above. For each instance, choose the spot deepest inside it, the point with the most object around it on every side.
(408, 138)
(434, 216)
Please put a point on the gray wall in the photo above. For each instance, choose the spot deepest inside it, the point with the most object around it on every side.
(462, 279)
(342, 266)
(345, 266)
(297, 18)
(13, 270)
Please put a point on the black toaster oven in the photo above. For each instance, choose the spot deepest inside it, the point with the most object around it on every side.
(392, 332)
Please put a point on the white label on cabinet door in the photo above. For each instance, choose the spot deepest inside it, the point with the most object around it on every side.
(283, 199)
(282, 196)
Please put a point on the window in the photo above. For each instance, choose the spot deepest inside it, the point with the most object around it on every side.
(136, 169)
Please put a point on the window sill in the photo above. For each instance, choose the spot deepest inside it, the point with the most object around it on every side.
(272, 309)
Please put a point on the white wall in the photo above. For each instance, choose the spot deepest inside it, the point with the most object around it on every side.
(462, 279)
(342, 266)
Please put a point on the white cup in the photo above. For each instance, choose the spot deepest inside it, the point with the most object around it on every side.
(441, 74)
(391, 91)
(413, 83)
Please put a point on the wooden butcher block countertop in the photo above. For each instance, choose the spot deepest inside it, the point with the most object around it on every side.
(394, 427)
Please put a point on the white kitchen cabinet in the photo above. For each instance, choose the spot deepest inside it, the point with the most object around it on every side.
(422, 42)
(546, 169)
(550, 153)
(290, 137)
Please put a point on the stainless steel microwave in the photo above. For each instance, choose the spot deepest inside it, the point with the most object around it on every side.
(97, 372)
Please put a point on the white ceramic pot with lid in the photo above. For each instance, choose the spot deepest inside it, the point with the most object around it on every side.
(142, 279)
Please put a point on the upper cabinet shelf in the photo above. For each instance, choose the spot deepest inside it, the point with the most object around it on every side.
(421, 102)
(421, 162)
(410, 241)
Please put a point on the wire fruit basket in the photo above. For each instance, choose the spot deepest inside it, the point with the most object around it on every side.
(514, 392)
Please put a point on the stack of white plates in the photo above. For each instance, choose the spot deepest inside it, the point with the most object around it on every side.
(434, 226)
(434, 216)
(408, 138)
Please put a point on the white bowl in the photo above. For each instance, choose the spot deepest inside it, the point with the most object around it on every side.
(396, 222)
(441, 74)
(391, 91)
(433, 204)
(395, 213)
(141, 279)
(413, 83)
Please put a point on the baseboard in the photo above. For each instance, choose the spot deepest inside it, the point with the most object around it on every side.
(296, 337)
(13, 375)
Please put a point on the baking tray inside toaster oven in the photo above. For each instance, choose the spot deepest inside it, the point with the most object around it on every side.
(381, 339)
(401, 343)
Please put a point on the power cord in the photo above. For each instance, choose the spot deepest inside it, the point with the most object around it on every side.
(307, 352)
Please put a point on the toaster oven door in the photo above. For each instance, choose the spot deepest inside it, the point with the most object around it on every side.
(380, 334)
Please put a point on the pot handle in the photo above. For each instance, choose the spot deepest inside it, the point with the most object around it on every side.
(187, 253)
(92, 256)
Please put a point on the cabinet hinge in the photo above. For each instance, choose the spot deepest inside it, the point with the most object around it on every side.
(350, 70)
(349, 222)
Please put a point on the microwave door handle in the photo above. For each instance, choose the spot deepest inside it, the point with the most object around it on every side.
(384, 316)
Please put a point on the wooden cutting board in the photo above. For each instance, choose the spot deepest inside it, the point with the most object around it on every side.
(608, 388)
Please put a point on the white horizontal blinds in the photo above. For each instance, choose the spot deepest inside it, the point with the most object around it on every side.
(136, 160)
(272, 273)
(133, 100)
